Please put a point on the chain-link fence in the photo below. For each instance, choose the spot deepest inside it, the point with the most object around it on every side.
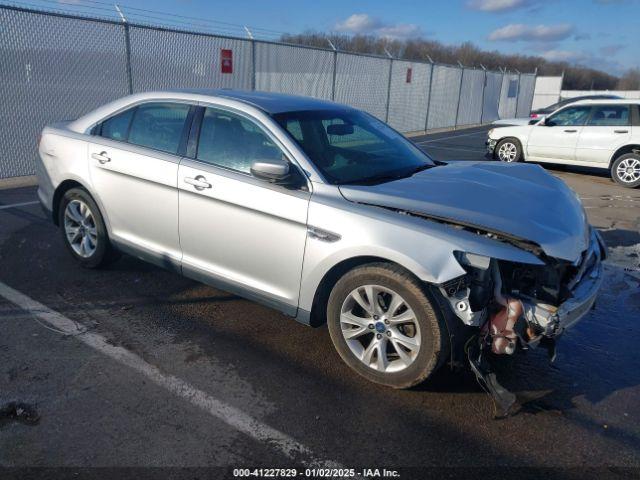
(57, 66)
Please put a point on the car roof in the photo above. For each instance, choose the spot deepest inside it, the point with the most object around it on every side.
(269, 102)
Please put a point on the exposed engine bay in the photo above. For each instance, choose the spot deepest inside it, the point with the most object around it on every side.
(520, 306)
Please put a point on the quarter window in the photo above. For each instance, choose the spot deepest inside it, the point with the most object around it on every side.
(117, 127)
(569, 117)
(159, 126)
(609, 116)
(231, 141)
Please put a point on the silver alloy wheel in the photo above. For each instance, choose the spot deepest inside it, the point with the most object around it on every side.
(628, 170)
(380, 328)
(80, 228)
(508, 152)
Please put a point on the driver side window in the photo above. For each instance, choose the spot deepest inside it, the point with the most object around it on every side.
(569, 117)
(231, 141)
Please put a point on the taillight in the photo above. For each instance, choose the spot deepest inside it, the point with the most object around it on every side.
(534, 115)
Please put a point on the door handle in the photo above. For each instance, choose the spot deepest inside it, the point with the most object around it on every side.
(101, 157)
(571, 131)
(199, 183)
(621, 131)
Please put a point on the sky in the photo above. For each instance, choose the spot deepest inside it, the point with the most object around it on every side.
(604, 34)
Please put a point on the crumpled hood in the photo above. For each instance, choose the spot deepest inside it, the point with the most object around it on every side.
(520, 200)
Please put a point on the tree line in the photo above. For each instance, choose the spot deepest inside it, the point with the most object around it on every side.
(576, 77)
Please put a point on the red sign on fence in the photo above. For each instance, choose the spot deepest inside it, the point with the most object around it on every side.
(226, 60)
(409, 73)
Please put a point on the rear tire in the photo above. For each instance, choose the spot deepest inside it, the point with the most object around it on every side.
(509, 150)
(83, 230)
(625, 170)
(399, 339)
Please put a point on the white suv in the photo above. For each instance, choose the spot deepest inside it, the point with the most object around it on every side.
(590, 133)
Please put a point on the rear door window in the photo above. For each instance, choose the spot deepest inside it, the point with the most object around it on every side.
(159, 126)
(609, 116)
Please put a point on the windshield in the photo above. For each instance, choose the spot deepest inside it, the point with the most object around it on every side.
(350, 146)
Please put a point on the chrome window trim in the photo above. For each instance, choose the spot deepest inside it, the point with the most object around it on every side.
(87, 131)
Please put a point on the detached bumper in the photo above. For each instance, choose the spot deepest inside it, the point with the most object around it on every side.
(491, 147)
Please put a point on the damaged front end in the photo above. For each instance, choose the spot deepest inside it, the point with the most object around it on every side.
(520, 306)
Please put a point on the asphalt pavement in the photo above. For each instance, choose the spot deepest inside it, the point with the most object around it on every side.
(134, 367)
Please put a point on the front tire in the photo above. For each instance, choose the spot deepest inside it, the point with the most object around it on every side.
(625, 170)
(83, 229)
(385, 327)
(509, 150)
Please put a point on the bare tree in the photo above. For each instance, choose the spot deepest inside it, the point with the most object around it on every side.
(630, 80)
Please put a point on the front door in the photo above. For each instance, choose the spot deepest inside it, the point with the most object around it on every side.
(556, 139)
(237, 232)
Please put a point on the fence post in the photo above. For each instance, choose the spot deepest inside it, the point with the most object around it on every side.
(127, 49)
(535, 81)
(484, 88)
(253, 57)
(335, 68)
(253, 64)
(455, 126)
(518, 95)
(426, 120)
(386, 118)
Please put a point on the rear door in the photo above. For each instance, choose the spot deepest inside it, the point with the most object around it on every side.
(133, 162)
(238, 232)
(608, 129)
(556, 139)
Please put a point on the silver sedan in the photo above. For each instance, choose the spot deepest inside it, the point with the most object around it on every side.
(330, 216)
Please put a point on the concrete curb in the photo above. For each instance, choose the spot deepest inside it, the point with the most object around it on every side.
(446, 129)
(18, 182)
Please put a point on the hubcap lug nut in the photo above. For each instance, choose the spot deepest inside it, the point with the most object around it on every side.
(379, 336)
(375, 317)
(388, 333)
(386, 322)
(371, 326)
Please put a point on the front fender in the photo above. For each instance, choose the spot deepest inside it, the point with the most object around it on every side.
(425, 248)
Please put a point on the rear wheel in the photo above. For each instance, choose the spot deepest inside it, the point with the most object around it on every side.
(509, 150)
(383, 325)
(626, 170)
(83, 229)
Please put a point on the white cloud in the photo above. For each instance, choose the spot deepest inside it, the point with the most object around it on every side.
(497, 5)
(563, 56)
(527, 33)
(363, 24)
(358, 23)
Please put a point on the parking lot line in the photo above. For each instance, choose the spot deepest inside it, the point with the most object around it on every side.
(483, 132)
(230, 415)
(16, 205)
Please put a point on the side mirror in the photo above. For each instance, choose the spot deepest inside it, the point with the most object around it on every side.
(270, 170)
